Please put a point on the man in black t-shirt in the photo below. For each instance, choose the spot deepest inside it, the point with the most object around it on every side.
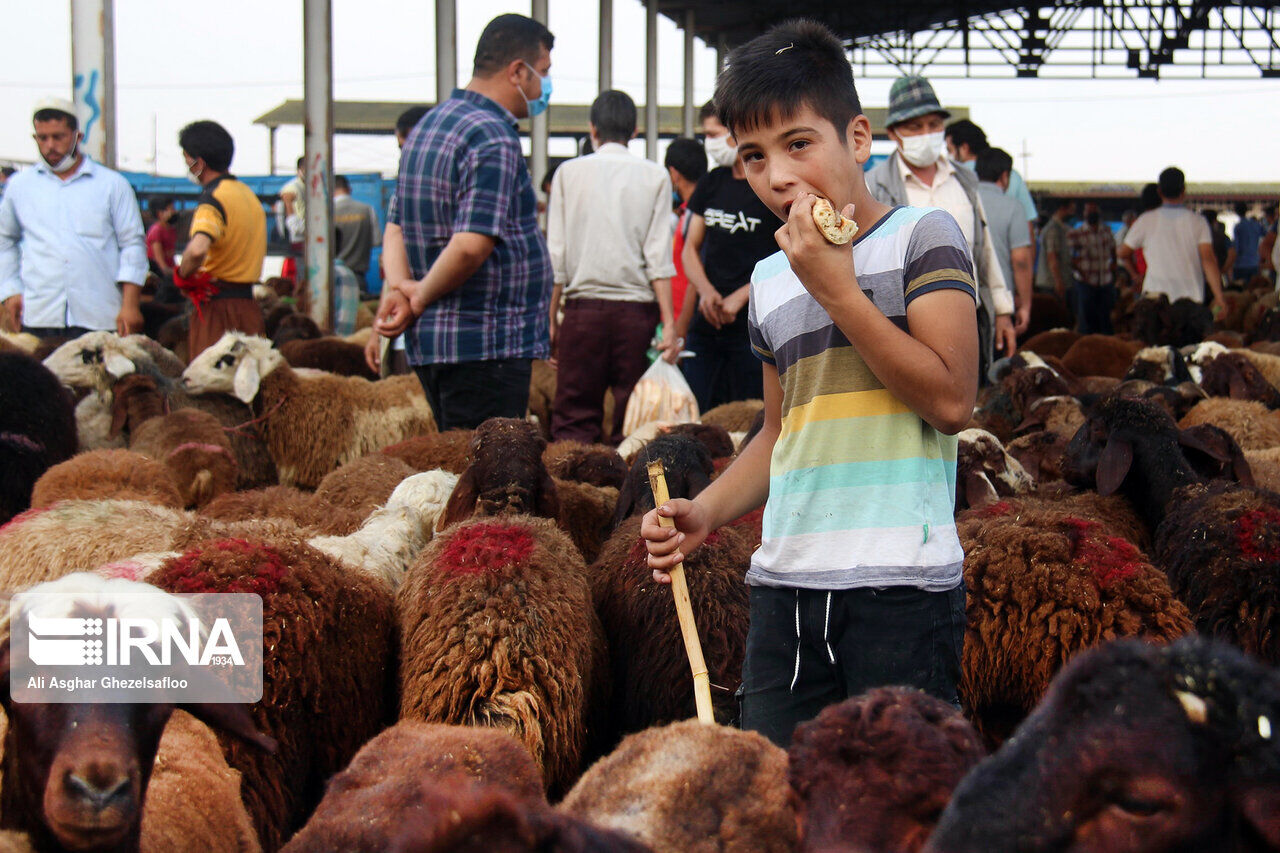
(730, 229)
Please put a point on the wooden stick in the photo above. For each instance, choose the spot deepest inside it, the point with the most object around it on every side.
(684, 607)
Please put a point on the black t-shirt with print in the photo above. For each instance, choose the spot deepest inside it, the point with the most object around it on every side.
(739, 233)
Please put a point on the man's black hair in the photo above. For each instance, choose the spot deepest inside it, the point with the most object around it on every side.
(1270, 210)
(507, 38)
(1242, 209)
(1172, 183)
(794, 65)
(409, 119)
(965, 132)
(614, 115)
(1150, 197)
(706, 111)
(545, 186)
(158, 204)
(687, 157)
(57, 115)
(8, 171)
(992, 163)
(340, 182)
(208, 141)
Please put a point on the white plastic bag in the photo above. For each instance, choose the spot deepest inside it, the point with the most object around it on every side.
(660, 395)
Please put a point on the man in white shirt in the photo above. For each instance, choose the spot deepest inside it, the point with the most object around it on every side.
(1177, 246)
(921, 174)
(609, 233)
(72, 249)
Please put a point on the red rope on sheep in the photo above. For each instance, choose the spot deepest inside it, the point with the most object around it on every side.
(238, 428)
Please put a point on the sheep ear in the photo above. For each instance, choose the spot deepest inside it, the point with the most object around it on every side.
(1113, 465)
(119, 414)
(1241, 468)
(1237, 387)
(1030, 422)
(1196, 439)
(247, 379)
(462, 501)
(626, 504)
(117, 365)
(232, 718)
(978, 490)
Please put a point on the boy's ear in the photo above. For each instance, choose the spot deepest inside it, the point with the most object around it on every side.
(858, 135)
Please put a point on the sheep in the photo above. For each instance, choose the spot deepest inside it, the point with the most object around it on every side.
(329, 354)
(1135, 748)
(1048, 312)
(103, 474)
(110, 747)
(390, 539)
(1098, 384)
(1264, 465)
(1027, 386)
(1060, 414)
(1039, 453)
(1250, 423)
(515, 588)
(1100, 355)
(651, 678)
(1215, 540)
(878, 769)
(1176, 400)
(586, 514)
(1114, 512)
(1214, 454)
(290, 327)
(1043, 585)
(688, 469)
(596, 464)
(363, 485)
(311, 425)
(1161, 365)
(1190, 322)
(365, 806)
(15, 842)
(506, 474)
(631, 446)
(328, 669)
(283, 502)
(691, 786)
(173, 334)
(450, 450)
(95, 360)
(1233, 375)
(1268, 363)
(37, 429)
(985, 471)
(93, 415)
(734, 417)
(715, 438)
(1054, 342)
(21, 342)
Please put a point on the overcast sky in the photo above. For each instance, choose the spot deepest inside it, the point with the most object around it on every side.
(175, 63)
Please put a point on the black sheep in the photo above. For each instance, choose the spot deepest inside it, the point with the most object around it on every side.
(37, 428)
(687, 466)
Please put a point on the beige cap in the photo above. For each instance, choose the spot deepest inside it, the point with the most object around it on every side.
(62, 105)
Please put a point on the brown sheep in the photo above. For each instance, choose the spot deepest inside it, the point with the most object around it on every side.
(449, 450)
(1040, 454)
(332, 355)
(542, 395)
(1062, 415)
(192, 445)
(1233, 375)
(1268, 363)
(1043, 585)
(652, 684)
(104, 474)
(985, 471)
(1101, 355)
(506, 474)
(586, 514)
(734, 417)
(878, 769)
(284, 502)
(597, 464)
(1250, 423)
(713, 437)
(691, 787)
(1054, 342)
(515, 587)
(1265, 466)
(1048, 312)
(362, 486)
(365, 806)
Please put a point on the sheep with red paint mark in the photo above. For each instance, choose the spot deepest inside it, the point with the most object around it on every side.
(497, 629)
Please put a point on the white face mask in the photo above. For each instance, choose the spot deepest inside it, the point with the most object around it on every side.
(720, 151)
(194, 177)
(924, 149)
(69, 160)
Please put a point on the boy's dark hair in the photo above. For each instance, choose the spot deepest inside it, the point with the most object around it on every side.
(1150, 197)
(993, 163)
(1172, 183)
(208, 141)
(340, 182)
(614, 115)
(794, 65)
(965, 132)
(708, 110)
(687, 157)
(1242, 209)
(158, 204)
(409, 119)
(57, 115)
(506, 38)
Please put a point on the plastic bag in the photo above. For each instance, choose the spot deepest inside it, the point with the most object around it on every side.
(660, 395)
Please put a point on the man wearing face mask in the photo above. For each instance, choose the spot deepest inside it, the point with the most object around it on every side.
(72, 256)
(921, 174)
(1093, 262)
(467, 268)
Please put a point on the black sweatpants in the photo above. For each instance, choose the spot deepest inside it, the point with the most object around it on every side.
(807, 649)
(465, 395)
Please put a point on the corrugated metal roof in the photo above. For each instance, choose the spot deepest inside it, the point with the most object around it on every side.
(1199, 192)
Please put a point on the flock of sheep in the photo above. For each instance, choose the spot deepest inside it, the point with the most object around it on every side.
(465, 651)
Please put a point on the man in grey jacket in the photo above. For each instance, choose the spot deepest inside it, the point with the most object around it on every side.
(921, 174)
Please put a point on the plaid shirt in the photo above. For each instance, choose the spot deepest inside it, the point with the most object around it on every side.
(462, 170)
(1093, 252)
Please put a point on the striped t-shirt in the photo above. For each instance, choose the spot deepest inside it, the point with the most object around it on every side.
(861, 489)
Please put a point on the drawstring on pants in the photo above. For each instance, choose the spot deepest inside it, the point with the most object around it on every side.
(826, 625)
(795, 678)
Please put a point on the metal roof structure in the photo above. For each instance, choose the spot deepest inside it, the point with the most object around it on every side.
(1104, 39)
(1199, 193)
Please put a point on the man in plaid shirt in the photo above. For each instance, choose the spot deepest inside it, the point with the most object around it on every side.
(1093, 261)
(467, 269)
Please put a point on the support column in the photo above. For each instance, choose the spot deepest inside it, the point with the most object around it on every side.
(317, 93)
(93, 76)
(605, 74)
(689, 109)
(538, 126)
(651, 79)
(446, 48)
(271, 149)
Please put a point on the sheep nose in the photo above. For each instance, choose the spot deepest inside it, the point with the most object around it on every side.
(99, 794)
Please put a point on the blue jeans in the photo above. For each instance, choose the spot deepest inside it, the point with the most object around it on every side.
(1093, 308)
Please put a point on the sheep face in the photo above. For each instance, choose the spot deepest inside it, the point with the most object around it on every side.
(985, 472)
(687, 466)
(95, 360)
(1135, 748)
(506, 474)
(234, 365)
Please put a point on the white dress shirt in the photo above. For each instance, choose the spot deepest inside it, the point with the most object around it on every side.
(65, 244)
(948, 193)
(609, 226)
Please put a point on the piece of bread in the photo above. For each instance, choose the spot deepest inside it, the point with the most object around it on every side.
(836, 228)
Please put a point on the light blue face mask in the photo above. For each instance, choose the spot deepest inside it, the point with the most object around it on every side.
(539, 106)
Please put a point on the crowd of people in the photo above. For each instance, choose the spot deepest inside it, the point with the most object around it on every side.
(868, 358)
